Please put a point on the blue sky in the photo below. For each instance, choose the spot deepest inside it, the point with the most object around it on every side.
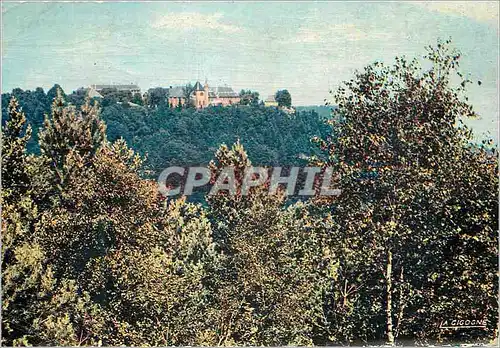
(306, 47)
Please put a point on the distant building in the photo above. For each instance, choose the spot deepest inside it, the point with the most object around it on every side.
(92, 93)
(120, 88)
(88, 92)
(270, 101)
(176, 96)
(203, 96)
(223, 95)
(200, 95)
(134, 105)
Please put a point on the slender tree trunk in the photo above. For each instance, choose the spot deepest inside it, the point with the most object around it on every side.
(401, 302)
(388, 309)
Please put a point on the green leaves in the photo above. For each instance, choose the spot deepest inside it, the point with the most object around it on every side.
(15, 136)
(70, 137)
(399, 123)
(283, 98)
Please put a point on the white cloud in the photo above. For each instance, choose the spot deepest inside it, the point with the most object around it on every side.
(194, 21)
(338, 32)
(483, 11)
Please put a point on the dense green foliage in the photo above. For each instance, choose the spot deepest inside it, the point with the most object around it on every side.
(188, 136)
(249, 97)
(156, 97)
(284, 98)
(408, 176)
(93, 255)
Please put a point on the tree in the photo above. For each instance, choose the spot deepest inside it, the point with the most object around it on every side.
(71, 137)
(396, 146)
(87, 226)
(187, 91)
(137, 99)
(249, 97)
(283, 98)
(35, 105)
(37, 308)
(168, 302)
(156, 97)
(15, 137)
(263, 291)
(54, 92)
(17, 204)
(78, 97)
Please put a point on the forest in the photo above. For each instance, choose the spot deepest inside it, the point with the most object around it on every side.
(92, 254)
(187, 136)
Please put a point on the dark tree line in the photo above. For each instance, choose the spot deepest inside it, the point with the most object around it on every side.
(189, 136)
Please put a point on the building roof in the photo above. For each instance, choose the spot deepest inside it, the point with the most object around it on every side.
(117, 87)
(213, 92)
(92, 93)
(198, 86)
(222, 92)
(175, 92)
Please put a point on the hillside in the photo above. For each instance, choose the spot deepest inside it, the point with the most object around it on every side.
(190, 137)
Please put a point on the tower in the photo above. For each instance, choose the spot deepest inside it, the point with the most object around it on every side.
(206, 90)
(199, 96)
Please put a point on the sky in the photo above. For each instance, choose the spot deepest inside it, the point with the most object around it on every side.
(308, 48)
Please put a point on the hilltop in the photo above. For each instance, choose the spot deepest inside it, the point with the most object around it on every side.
(189, 136)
